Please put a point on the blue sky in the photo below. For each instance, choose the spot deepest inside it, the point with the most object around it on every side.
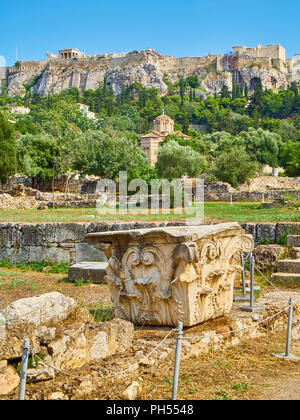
(172, 27)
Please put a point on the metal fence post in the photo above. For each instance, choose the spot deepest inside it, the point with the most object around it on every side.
(24, 366)
(243, 297)
(177, 360)
(252, 307)
(287, 354)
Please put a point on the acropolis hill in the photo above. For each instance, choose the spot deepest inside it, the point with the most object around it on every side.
(72, 68)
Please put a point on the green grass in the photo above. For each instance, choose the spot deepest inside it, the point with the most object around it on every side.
(239, 212)
(250, 212)
(61, 268)
(102, 313)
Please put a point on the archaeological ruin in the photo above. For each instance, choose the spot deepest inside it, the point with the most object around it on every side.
(165, 275)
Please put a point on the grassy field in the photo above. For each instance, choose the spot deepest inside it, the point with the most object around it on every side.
(239, 212)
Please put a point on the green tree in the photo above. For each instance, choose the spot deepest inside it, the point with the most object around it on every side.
(234, 166)
(290, 158)
(38, 156)
(225, 92)
(8, 150)
(182, 85)
(174, 161)
(256, 106)
(106, 154)
(185, 125)
(262, 145)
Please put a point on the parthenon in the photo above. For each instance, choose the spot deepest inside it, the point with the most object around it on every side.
(69, 53)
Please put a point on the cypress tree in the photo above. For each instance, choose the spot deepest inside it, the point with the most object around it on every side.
(185, 125)
(8, 150)
(225, 91)
(182, 88)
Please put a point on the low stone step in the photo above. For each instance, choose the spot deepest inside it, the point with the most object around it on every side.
(295, 253)
(85, 271)
(289, 266)
(286, 279)
(293, 240)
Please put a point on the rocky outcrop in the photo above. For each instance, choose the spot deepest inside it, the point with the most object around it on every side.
(213, 82)
(270, 78)
(145, 67)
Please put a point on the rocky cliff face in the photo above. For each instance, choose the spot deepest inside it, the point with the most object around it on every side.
(145, 67)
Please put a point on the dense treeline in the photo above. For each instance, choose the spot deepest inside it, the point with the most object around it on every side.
(241, 132)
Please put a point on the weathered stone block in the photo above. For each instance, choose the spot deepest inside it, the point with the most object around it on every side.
(70, 351)
(250, 229)
(287, 228)
(88, 272)
(40, 310)
(293, 240)
(9, 379)
(291, 280)
(18, 255)
(162, 275)
(4, 236)
(57, 255)
(32, 235)
(65, 232)
(266, 231)
(289, 266)
(36, 254)
(109, 338)
(86, 252)
(266, 256)
(11, 343)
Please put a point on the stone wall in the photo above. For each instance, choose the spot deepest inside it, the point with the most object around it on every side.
(255, 196)
(64, 242)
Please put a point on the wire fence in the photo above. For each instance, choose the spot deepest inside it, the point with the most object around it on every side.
(119, 374)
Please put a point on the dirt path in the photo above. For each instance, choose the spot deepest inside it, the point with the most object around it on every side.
(288, 389)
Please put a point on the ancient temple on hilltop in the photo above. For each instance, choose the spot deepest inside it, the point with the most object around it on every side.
(162, 126)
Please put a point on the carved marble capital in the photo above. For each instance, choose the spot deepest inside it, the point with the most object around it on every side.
(163, 275)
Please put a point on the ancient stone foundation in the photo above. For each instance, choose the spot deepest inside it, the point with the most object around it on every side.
(164, 275)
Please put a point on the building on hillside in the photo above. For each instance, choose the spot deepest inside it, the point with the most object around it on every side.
(269, 51)
(85, 110)
(18, 109)
(162, 126)
(69, 53)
